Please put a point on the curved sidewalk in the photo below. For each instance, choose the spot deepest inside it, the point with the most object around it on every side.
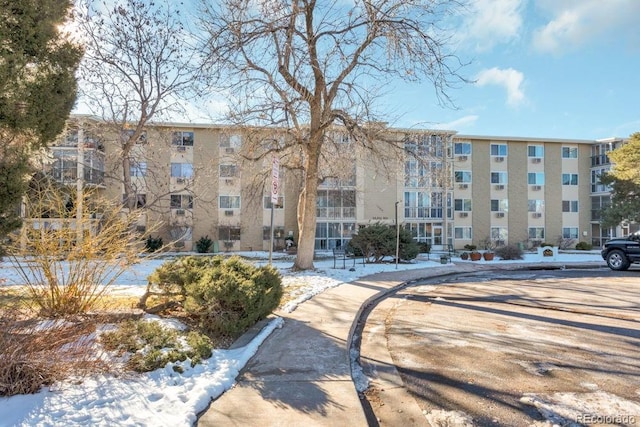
(301, 374)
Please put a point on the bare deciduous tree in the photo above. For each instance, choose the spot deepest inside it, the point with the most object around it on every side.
(306, 66)
(139, 67)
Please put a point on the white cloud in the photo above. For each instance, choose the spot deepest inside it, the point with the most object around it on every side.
(460, 123)
(508, 78)
(575, 22)
(490, 22)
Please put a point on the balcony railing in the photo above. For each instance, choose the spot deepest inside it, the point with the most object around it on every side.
(336, 213)
(422, 212)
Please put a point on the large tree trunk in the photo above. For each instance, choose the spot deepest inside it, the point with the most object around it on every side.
(128, 187)
(307, 208)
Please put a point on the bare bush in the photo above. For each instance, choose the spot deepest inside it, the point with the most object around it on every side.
(68, 256)
(509, 252)
(565, 243)
(34, 354)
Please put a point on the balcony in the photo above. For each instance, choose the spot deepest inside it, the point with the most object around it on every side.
(336, 213)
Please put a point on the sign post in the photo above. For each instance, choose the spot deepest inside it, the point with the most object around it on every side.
(275, 189)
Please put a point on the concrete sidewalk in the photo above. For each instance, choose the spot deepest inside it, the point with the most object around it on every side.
(301, 374)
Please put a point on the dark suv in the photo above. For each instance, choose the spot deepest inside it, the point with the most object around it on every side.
(621, 252)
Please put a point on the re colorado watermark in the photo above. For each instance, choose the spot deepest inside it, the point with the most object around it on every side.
(620, 419)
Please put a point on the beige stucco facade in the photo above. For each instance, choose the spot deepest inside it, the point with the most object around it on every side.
(196, 181)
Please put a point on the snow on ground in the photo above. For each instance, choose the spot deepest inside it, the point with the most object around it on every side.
(166, 398)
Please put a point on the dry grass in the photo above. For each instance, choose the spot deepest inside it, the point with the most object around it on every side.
(36, 353)
(291, 291)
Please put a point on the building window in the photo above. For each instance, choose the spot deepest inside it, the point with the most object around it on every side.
(462, 148)
(181, 170)
(462, 177)
(536, 233)
(182, 138)
(536, 205)
(498, 177)
(181, 201)
(535, 178)
(229, 202)
(138, 168)
(420, 204)
(416, 174)
(499, 205)
(569, 179)
(570, 232)
(569, 206)
(278, 205)
(499, 235)
(230, 141)
(463, 233)
(425, 145)
(598, 203)
(462, 205)
(569, 152)
(596, 186)
(336, 204)
(536, 151)
(228, 233)
(499, 150)
(228, 171)
(332, 235)
(128, 133)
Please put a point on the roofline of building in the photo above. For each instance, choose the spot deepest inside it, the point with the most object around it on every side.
(390, 129)
(525, 139)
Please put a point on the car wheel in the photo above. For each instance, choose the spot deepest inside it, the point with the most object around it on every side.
(616, 260)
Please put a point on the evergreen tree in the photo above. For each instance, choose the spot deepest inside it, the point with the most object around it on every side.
(37, 90)
(624, 181)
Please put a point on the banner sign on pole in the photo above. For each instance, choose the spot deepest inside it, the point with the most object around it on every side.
(275, 181)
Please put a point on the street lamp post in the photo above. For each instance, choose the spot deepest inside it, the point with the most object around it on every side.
(397, 237)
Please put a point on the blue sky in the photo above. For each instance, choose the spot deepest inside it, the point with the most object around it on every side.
(542, 68)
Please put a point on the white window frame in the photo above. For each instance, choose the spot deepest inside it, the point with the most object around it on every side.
(501, 150)
(463, 233)
(183, 138)
(501, 177)
(538, 178)
(462, 148)
(573, 206)
(465, 205)
(569, 152)
(229, 202)
(569, 179)
(536, 151)
(465, 177)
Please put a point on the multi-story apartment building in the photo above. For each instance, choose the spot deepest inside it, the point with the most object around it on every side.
(446, 189)
(600, 196)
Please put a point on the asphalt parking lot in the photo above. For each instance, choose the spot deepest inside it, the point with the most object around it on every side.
(528, 348)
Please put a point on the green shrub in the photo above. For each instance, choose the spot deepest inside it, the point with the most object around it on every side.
(543, 244)
(584, 246)
(232, 296)
(134, 335)
(470, 247)
(203, 244)
(377, 241)
(152, 244)
(171, 278)
(152, 345)
(509, 252)
(200, 345)
(424, 248)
